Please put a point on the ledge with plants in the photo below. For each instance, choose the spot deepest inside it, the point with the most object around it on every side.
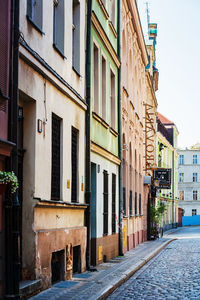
(8, 179)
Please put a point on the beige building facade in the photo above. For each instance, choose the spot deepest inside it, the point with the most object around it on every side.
(134, 60)
(52, 135)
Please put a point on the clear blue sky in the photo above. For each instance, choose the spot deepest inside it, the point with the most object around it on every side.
(178, 61)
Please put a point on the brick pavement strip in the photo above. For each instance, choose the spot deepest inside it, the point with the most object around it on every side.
(110, 275)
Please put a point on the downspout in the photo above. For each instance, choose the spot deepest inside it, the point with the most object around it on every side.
(120, 132)
(87, 134)
(12, 203)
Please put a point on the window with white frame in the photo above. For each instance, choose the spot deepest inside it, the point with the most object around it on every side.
(181, 159)
(194, 212)
(194, 177)
(96, 78)
(112, 98)
(112, 11)
(194, 195)
(181, 177)
(181, 195)
(103, 87)
(194, 159)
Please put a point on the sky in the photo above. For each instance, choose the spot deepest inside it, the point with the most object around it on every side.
(178, 62)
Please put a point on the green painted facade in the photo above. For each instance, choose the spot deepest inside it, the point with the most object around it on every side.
(100, 134)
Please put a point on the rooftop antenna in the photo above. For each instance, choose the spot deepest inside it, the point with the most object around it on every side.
(148, 15)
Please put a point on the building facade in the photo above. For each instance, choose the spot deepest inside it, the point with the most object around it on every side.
(52, 139)
(104, 129)
(133, 94)
(167, 157)
(188, 184)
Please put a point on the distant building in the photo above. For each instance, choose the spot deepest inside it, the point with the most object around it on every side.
(189, 184)
(167, 157)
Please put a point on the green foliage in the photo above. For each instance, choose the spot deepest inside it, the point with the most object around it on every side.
(9, 178)
(156, 216)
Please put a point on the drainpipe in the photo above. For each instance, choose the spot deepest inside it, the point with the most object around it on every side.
(120, 132)
(12, 203)
(87, 133)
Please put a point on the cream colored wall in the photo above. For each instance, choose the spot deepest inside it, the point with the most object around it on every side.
(32, 84)
(43, 43)
(56, 218)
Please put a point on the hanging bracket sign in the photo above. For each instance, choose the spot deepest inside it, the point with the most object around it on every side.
(162, 178)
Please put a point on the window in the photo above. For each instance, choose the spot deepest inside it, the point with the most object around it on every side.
(112, 11)
(194, 177)
(76, 36)
(124, 201)
(74, 161)
(34, 12)
(130, 203)
(105, 202)
(194, 159)
(96, 78)
(55, 158)
(113, 203)
(159, 160)
(181, 159)
(140, 204)
(181, 177)
(194, 212)
(58, 26)
(135, 203)
(181, 195)
(194, 195)
(103, 87)
(112, 98)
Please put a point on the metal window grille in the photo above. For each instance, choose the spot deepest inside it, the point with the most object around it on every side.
(105, 202)
(140, 204)
(55, 163)
(135, 203)
(113, 203)
(130, 203)
(124, 201)
(74, 161)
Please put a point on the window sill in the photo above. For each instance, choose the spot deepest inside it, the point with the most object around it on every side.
(60, 203)
(59, 52)
(77, 73)
(100, 120)
(113, 132)
(104, 10)
(35, 25)
(113, 29)
(105, 234)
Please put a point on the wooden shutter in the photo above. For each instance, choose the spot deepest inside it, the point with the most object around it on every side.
(59, 25)
(113, 203)
(105, 196)
(55, 166)
(38, 13)
(76, 36)
(74, 160)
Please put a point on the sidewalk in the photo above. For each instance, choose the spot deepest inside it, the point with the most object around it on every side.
(109, 275)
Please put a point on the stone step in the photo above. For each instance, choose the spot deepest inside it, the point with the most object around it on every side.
(28, 288)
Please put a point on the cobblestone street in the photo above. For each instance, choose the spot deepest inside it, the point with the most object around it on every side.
(172, 274)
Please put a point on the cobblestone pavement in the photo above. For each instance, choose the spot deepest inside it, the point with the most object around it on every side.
(173, 274)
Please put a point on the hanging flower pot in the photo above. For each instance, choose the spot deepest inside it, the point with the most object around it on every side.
(8, 178)
(2, 188)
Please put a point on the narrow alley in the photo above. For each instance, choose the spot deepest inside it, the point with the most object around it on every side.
(172, 274)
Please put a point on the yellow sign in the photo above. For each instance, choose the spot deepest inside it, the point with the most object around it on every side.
(124, 236)
(100, 253)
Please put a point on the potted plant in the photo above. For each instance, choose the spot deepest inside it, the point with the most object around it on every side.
(156, 215)
(8, 178)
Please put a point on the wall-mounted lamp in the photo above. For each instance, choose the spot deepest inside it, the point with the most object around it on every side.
(39, 129)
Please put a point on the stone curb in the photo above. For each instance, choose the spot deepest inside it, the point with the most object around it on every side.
(125, 276)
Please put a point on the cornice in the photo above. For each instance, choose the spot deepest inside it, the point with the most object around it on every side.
(106, 154)
(100, 31)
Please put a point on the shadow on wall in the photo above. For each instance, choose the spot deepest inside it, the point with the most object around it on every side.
(191, 220)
